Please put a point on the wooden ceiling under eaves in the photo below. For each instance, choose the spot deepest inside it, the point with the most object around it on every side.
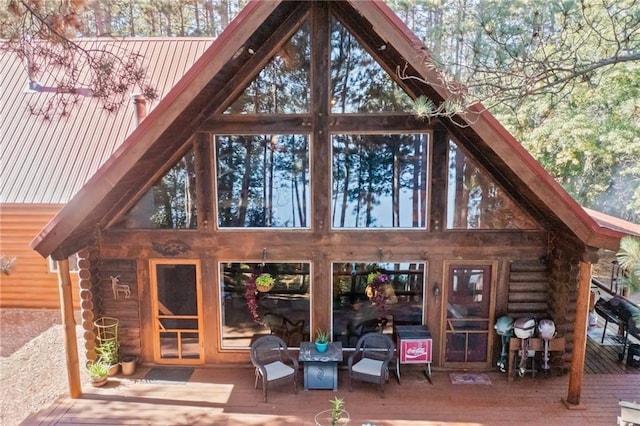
(197, 102)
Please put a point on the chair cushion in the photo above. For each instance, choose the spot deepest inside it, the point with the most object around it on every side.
(277, 370)
(371, 367)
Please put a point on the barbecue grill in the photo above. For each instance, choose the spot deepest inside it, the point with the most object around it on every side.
(620, 311)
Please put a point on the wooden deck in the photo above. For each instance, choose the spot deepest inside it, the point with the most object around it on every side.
(225, 396)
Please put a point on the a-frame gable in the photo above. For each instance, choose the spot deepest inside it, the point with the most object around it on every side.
(220, 76)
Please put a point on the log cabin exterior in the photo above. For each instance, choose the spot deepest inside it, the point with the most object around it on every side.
(46, 161)
(288, 149)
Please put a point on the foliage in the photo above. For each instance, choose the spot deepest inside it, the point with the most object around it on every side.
(322, 336)
(265, 281)
(380, 291)
(44, 36)
(108, 352)
(251, 296)
(97, 370)
(337, 409)
(629, 259)
(563, 77)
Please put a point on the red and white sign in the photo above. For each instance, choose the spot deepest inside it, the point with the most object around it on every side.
(415, 351)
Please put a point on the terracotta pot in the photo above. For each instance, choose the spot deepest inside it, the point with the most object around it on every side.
(264, 289)
(114, 369)
(128, 366)
(99, 381)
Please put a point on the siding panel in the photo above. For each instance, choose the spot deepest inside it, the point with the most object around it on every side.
(30, 284)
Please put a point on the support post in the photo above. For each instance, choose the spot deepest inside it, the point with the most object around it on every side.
(69, 327)
(580, 336)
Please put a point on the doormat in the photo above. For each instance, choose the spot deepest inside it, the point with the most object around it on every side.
(168, 375)
(610, 339)
(469, 379)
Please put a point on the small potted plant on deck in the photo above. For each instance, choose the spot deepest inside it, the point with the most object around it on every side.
(322, 340)
(337, 415)
(108, 354)
(98, 372)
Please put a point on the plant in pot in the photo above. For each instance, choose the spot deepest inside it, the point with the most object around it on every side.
(98, 372)
(628, 258)
(265, 282)
(322, 340)
(337, 415)
(108, 354)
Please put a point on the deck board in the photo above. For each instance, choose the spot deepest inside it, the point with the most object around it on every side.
(226, 396)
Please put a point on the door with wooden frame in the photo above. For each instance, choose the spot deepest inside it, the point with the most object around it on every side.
(176, 295)
(468, 325)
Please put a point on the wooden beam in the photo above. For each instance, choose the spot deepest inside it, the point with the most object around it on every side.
(253, 124)
(580, 337)
(69, 327)
(321, 164)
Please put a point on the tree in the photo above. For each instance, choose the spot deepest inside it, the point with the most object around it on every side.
(42, 34)
(562, 76)
(629, 259)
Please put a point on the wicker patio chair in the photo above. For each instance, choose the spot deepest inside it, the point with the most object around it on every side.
(370, 361)
(273, 363)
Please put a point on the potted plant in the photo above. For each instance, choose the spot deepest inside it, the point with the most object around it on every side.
(380, 291)
(629, 259)
(322, 340)
(128, 364)
(337, 415)
(98, 372)
(108, 354)
(265, 282)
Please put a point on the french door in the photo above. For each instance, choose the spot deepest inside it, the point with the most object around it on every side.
(176, 296)
(469, 306)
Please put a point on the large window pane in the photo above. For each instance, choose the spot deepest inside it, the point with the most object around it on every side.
(474, 201)
(170, 203)
(263, 181)
(357, 310)
(380, 181)
(283, 85)
(284, 310)
(358, 82)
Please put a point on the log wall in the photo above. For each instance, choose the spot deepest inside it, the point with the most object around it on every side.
(127, 253)
(564, 256)
(528, 289)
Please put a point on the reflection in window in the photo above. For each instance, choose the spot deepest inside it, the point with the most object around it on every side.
(263, 181)
(177, 315)
(283, 310)
(357, 310)
(170, 203)
(474, 201)
(380, 181)
(358, 82)
(468, 303)
(283, 85)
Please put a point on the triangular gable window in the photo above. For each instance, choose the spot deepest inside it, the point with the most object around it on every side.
(475, 201)
(170, 203)
(358, 83)
(283, 85)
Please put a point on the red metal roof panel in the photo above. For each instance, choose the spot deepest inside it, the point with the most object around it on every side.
(48, 161)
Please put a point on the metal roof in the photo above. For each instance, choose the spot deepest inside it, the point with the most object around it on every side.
(48, 161)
